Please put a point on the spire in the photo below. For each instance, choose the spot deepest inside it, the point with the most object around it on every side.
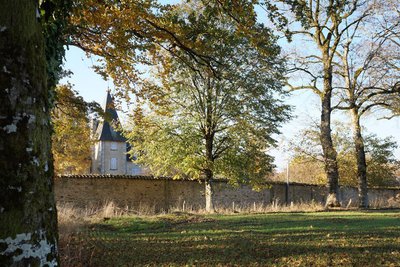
(106, 131)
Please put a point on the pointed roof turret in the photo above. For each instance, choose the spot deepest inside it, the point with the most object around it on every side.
(105, 131)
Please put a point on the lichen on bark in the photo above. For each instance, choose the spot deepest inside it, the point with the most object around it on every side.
(26, 189)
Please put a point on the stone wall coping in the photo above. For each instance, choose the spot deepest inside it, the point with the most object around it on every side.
(129, 177)
(151, 177)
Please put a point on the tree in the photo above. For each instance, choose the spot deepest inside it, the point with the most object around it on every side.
(125, 34)
(303, 169)
(366, 76)
(307, 163)
(324, 23)
(388, 27)
(27, 76)
(382, 165)
(30, 56)
(128, 34)
(206, 122)
(71, 141)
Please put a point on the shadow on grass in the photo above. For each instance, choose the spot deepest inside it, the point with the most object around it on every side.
(340, 239)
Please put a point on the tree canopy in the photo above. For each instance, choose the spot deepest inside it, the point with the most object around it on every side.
(71, 140)
(307, 162)
(200, 122)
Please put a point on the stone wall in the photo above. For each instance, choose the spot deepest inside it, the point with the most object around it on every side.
(163, 194)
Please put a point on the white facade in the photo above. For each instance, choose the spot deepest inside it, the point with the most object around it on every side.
(110, 157)
(109, 153)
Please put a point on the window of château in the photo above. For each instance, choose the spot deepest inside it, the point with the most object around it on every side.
(114, 146)
(113, 164)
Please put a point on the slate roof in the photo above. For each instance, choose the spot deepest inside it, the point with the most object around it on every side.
(104, 131)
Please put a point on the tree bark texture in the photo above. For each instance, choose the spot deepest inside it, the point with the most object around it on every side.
(209, 176)
(28, 217)
(357, 134)
(330, 155)
(361, 160)
(209, 146)
(209, 192)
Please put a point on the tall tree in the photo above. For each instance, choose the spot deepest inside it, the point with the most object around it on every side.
(212, 122)
(324, 23)
(29, 63)
(366, 77)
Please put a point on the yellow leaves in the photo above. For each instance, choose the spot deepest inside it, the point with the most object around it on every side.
(71, 138)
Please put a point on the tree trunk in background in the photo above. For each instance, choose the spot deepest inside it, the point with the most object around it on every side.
(357, 135)
(209, 177)
(330, 155)
(209, 192)
(28, 218)
(209, 145)
(361, 161)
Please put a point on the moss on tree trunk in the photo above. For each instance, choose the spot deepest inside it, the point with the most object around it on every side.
(28, 218)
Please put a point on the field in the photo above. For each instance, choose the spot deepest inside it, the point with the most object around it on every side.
(340, 238)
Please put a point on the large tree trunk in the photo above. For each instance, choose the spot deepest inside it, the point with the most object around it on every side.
(361, 161)
(357, 135)
(330, 155)
(28, 218)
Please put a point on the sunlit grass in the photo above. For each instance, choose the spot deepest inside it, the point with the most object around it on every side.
(276, 239)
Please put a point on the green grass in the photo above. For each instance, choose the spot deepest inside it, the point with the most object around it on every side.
(276, 239)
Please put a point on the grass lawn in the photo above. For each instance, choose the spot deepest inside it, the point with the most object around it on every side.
(345, 238)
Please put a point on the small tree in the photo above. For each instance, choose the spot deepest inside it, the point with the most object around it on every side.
(307, 163)
(71, 138)
(207, 122)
